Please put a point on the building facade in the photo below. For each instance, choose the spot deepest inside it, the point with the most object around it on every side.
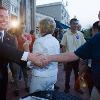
(5, 3)
(12, 6)
(40, 17)
(13, 9)
(21, 11)
(56, 10)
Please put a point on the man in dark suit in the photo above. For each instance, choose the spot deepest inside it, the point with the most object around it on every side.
(8, 53)
(9, 39)
(4, 38)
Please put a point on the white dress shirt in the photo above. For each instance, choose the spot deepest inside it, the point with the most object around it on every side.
(2, 34)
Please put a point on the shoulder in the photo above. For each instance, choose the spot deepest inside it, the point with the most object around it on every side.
(96, 37)
(80, 33)
(65, 35)
(68, 32)
(56, 41)
(38, 40)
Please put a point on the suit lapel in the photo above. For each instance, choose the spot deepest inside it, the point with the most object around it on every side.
(9, 39)
(6, 37)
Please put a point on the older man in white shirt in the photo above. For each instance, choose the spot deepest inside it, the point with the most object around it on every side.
(45, 78)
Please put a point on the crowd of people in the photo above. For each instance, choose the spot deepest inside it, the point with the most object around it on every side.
(18, 48)
(12, 52)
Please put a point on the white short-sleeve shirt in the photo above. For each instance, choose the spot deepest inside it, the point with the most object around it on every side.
(48, 45)
(72, 41)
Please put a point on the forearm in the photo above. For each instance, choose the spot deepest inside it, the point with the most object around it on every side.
(10, 53)
(29, 57)
(63, 57)
(26, 46)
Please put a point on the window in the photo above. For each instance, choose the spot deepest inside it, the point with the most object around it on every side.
(13, 9)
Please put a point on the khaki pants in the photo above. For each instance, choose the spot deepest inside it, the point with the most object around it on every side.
(95, 95)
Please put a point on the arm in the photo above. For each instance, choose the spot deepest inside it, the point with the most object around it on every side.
(9, 52)
(83, 52)
(13, 54)
(26, 46)
(63, 57)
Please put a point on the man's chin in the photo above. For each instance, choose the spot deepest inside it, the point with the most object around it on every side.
(3, 28)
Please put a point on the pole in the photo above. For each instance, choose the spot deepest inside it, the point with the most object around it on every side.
(33, 16)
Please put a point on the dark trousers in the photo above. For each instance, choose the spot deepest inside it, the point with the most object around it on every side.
(15, 69)
(25, 73)
(88, 78)
(3, 83)
(68, 69)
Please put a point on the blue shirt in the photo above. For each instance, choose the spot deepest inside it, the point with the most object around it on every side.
(91, 50)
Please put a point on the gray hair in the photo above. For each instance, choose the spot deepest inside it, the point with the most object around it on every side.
(49, 25)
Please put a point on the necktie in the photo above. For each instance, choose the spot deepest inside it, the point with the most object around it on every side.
(0, 36)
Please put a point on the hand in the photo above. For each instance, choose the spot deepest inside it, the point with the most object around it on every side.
(47, 59)
(37, 59)
(26, 46)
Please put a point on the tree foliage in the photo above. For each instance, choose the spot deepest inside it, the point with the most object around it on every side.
(87, 33)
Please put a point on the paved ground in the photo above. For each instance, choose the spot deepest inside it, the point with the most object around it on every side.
(60, 83)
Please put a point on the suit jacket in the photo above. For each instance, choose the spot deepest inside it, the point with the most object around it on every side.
(9, 52)
(4, 61)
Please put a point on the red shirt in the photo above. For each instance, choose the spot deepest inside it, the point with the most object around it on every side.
(20, 43)
(31, 45)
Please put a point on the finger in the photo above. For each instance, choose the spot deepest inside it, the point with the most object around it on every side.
(38, 54)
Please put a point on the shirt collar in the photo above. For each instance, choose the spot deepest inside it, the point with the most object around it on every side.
(72, 32)
(46, 34)
(2, 33)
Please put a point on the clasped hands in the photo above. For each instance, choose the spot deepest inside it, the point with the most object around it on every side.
(39, 59)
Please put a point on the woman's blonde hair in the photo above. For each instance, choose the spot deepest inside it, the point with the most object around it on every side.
(48, 24)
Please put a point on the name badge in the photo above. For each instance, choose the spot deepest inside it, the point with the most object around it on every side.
(77, 36)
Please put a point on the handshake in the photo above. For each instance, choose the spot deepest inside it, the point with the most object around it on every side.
(39, 59)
